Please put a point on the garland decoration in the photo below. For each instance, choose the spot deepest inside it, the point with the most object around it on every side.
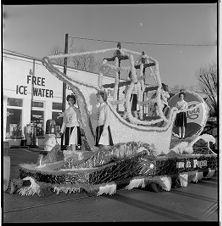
(66, 188)
(183, 178)
(135, 183)
(142, 126)
(79, 54)
(109, 189)
(102, 172)
(126, 168)
(115, 96)
(34, 188)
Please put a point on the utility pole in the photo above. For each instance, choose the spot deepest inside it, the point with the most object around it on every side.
(33, 126)
(119, 60)
(64, 84)
(32, 73)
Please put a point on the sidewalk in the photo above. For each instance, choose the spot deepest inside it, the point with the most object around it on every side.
(30, 148)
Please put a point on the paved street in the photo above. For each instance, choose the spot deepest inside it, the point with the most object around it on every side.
(197, 202)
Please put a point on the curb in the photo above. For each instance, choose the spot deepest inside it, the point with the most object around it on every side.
(33, 149)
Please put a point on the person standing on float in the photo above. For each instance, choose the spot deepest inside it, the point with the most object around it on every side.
(70, 127)
(134, 96)
(181, 117)
(144, 59)
(118, 53)
(164, 96)
(103, 132)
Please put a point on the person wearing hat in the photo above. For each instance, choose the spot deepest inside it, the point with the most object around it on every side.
(103, 132)
(70, 127)
(181, 117)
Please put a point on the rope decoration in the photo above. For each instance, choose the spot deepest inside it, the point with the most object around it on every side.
(79, 54)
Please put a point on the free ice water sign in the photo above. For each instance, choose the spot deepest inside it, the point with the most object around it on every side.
(196, 117)
(38, 87)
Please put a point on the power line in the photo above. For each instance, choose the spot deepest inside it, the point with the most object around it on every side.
(142, 43)
(12, 52)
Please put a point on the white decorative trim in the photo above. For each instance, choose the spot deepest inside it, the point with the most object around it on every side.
(79, 54)
(172, 116)
(135, 183)
(107, 189)
(65, 189)
(33, 189)
(211, 173)
(164, 181)
(183, 177)
(115, 97)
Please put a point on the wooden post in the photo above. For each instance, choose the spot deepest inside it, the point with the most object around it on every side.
(32, 73)
(119, 63)
(33, 136)
(64, 84)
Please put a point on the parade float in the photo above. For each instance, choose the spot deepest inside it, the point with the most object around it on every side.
(143, 154)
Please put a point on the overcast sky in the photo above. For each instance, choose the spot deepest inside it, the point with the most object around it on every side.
(35, 29)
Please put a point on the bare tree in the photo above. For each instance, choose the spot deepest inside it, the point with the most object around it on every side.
(84, 62)
(87, 62)
(209, 86)
(56, 51)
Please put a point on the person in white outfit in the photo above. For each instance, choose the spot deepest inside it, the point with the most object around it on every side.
(181, 117)
(70, 127)
(103, 132)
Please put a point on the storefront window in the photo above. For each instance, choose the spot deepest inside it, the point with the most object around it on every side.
(57, 106)
(14, 102)
(58, 121)
(57, 110)
(37, 104)
(13, 124)
(37, 117)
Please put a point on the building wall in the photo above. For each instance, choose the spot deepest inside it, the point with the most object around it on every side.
(48, 89)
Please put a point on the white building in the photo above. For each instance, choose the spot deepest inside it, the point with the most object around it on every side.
(21, 75)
